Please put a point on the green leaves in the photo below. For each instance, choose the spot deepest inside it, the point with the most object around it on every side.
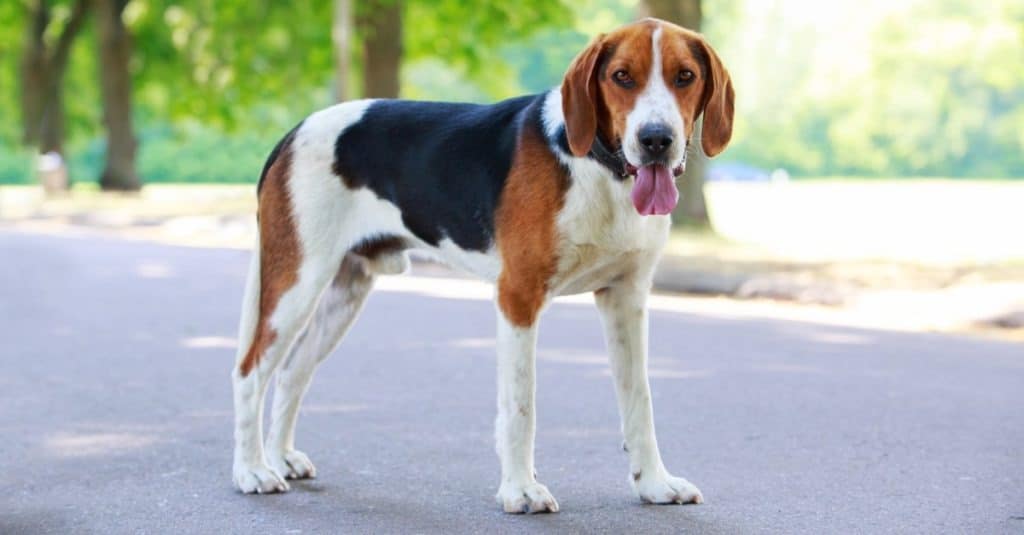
(922, 89)
(873, 88)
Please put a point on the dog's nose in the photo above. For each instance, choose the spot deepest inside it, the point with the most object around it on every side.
(655, 138)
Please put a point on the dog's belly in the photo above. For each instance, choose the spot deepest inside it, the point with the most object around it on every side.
(582, 268)
(484, 265)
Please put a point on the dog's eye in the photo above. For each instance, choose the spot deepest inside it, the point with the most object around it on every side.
(623, 78)
(684, 78)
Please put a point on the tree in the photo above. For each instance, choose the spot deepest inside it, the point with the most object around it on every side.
(43, 68)
(234, 65)
(692, 208)
(380, 24)
(115, 49)
(341, 36)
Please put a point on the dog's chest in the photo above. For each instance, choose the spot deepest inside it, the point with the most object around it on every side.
(601, 236)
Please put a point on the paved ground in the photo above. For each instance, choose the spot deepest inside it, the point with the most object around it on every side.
(115, 414)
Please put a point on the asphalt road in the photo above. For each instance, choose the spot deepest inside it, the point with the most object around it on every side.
(115, 414)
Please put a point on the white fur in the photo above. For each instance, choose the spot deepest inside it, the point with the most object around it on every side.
(487, 265)
(515, 426)
(329, 221)
(655, 104)
(607, 245)
(603, 245)
(339, 305)
(603, 236)
(624, 315)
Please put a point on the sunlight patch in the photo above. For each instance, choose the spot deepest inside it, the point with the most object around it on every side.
(149, 269)
(664, 373)
(474, 343)
(92, 444)
(209, 342)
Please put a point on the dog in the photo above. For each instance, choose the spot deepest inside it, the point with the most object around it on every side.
(559, 193)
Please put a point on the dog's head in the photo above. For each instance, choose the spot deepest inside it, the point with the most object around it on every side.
(641, 88)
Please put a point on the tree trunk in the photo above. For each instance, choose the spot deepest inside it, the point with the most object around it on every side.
(381, 28)
(686, 13)
(35, 70)
(115, 49)
(341, 35)
(692, 208)
(42, 78)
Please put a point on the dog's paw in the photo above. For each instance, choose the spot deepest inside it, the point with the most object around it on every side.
(529, 498)
(293, 464)
(258, 479)
(665, 489)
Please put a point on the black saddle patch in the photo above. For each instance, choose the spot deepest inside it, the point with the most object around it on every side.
(442, 164)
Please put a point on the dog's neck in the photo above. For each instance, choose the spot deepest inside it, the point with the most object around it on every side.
(600, 151)
(613, 160)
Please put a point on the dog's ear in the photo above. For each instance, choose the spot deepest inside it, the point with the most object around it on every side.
(718, 102)
(579, 98)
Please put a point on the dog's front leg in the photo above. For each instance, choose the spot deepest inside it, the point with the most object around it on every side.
(516, 424)
(624, 314)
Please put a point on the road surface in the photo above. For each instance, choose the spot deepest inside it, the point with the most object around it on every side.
(115, 413)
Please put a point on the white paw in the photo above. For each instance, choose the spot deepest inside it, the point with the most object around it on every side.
(664, 488)
(529, 498)
(258, 479)
(293, 464)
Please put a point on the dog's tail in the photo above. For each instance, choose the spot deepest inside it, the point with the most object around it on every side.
(253, 331)
(285, 142)
(244, 360)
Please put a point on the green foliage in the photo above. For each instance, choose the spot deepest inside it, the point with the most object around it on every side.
(922, 89)
(190, 154)
(12, 20)
(201, 154)
(469, 35)
(868, 88)
(213, 61)
(15, 165)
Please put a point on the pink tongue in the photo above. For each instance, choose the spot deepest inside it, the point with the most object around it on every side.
(654, 192)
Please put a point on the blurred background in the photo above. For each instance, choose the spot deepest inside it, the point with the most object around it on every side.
(874, 176)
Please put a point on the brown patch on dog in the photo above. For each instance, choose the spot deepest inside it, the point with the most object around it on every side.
(380, 245)
(592, 101)
(634, 55)
(712, 94)
(580, 97)
(280, 252)
(636, 476)
(525, 227)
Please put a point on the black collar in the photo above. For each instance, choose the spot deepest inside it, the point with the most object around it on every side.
(611, 159)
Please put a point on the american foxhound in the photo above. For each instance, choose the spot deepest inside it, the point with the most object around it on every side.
(563, 192)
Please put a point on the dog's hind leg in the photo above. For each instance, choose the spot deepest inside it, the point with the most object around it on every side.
(303, 237)
(275, 330)
(339, 305)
